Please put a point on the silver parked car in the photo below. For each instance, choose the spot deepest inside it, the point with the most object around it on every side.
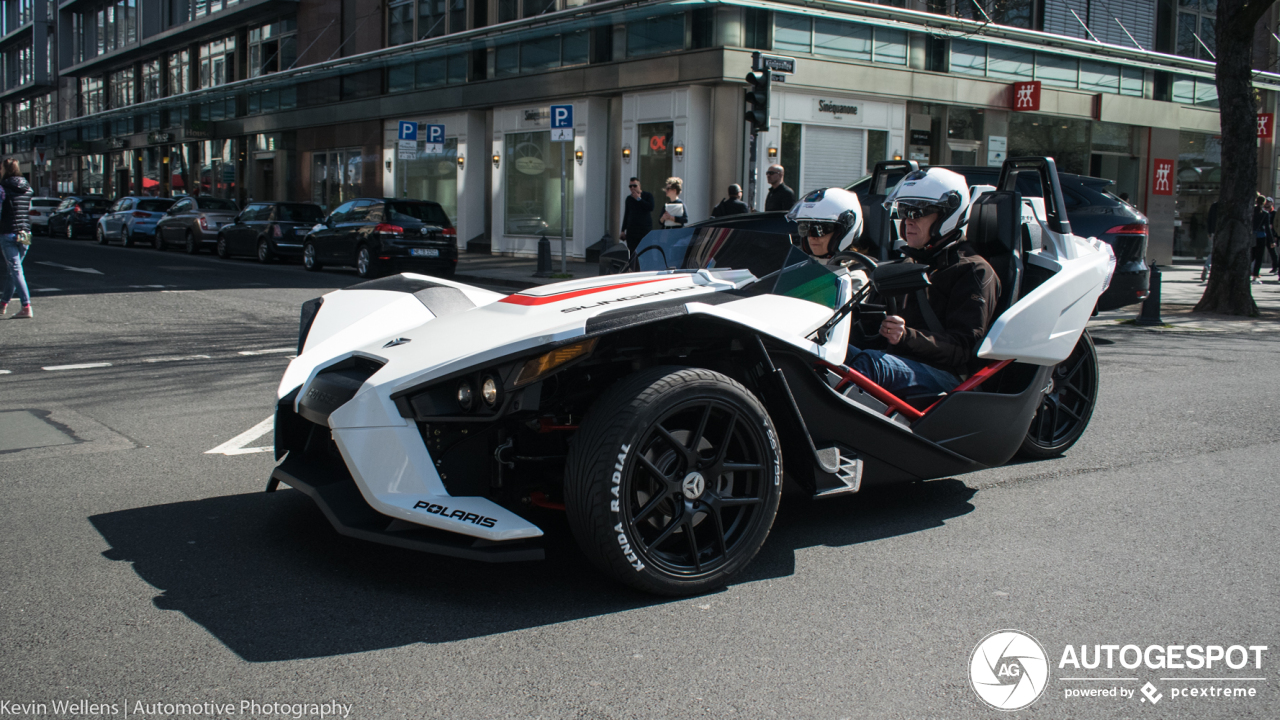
(41, 209)
(193, 222)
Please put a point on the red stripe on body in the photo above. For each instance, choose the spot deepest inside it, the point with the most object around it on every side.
(519, 299)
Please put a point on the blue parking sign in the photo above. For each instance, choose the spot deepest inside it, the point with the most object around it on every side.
(561, 116)
(408, 130)
(435, 133)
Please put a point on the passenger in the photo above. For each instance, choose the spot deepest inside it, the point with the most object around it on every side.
(828, 221)
(933, 206)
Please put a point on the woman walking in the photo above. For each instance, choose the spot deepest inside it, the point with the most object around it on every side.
(15, 235)
(674, 216)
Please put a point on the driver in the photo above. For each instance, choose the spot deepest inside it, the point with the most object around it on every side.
(929, 348)
(828, 221)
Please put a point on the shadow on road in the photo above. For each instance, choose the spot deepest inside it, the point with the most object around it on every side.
(269, 578)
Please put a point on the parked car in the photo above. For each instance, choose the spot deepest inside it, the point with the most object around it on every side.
(41, 209)
(132, 220)
(77, 215)
(377, 234)
(269, 230)
(193, 222)
(1093, 211)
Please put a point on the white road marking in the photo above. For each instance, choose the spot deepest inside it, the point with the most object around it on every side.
(255, 285)
(6, 372)
(177, 291)
(236, 445)
(36, 289)
(272, 351)
(90, 271)
(175, 358)
(81, 366)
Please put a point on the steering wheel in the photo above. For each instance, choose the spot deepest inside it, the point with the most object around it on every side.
(851, 259)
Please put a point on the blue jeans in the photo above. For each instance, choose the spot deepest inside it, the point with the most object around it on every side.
(13, 278)
(901, 376)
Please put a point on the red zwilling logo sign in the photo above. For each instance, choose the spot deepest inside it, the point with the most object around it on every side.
(1162, 177)
(1266, 125)
(1026, 96)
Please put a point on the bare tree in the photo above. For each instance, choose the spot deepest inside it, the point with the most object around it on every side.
(1229, 291)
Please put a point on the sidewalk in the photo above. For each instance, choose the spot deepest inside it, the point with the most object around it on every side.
(1181, 289)
(515, 272)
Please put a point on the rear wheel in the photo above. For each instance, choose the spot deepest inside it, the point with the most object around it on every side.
(673, 482)
(264, 251)
(223, 252)
(71, 232)
(191, 246)
(130, 239)
(366, 264)
(100, 236)
(309, 260)
(157, 242)
(1065, 411)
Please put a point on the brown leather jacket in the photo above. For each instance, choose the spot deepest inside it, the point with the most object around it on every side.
(963, 296)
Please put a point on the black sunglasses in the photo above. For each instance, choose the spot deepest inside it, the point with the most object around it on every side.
(814, 229)
(634, 185)
(915, 213)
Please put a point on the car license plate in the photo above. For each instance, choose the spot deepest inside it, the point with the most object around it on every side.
(424, 252)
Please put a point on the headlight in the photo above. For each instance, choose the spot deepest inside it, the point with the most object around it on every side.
(465, 396)
(489, 391)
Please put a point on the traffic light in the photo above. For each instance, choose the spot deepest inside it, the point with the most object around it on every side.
(758, 100)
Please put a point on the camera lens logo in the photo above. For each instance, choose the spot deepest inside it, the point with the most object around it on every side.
(1008, 670)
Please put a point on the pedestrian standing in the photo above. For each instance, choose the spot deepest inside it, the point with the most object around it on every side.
(780, 196)
(1270, 207)
(1261, 235)
(15, 235)
(1212, 225)
(674, 215)
(731, 205)
(637, 218)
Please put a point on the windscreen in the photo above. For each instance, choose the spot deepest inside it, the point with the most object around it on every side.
(157, 205)
(299, 213)
(45, 203)
(94, 205)
(711, 247)
(212, 203)
(429, 213)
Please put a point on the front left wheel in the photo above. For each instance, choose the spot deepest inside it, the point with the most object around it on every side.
(673, 482)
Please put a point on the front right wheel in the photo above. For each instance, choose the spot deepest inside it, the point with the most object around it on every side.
(1065, 411)
(673, 482)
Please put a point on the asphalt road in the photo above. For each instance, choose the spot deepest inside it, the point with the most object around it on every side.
(137, 567)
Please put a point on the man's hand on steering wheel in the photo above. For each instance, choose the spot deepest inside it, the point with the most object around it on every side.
(893, 328)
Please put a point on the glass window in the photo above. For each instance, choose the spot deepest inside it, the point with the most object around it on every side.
(433, 72)
(400, 22)
(577, 46)
(540, 54)
(1006, 63)
(538, 7)
(299, 213)
(968, 58)
(431, 18)
(1184, 90)
(792, 33)
(508, 10)
(841, 39)
(1099, 77)
(458, 68)
(400, 78)
(427, 212)
(1057, 71)
(663, 33)
(180, 72)
(1131, 82)
(217, 62)
(506, 60)
(891, 46)
(1206, 93)
(532, 185)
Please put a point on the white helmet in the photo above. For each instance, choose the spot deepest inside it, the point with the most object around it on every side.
(833, 210)
(928, 191)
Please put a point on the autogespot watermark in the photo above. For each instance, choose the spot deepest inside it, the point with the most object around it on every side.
(1010, 670)
(153, 708)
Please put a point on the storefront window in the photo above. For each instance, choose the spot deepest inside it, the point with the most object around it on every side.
(1199, 180)
(1065, 140)
(790, 154)
(218, 169)
(434, 177)
(532, 173)
(655, 162)
(91, 176)
(336, 176)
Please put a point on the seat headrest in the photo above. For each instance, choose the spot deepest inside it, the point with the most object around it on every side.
(995, 222)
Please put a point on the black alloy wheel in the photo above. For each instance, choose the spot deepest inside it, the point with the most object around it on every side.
(264, 251)
(309, 260)
(191, 246)
(1065, 411)
(223, 252)
(366, 264)
(673, 481)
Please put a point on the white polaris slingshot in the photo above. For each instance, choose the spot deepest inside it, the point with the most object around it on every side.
(663, 409)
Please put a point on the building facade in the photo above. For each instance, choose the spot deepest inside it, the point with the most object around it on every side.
(301, 100)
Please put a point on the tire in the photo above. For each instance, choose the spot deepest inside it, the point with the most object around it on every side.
(366, 264)
(309, 260)
(100, 236)
(223, 252)
(1065, 411)
(265, 256)
(191, 246)
(130, 239)
(157, 242)
(638, 497)
(71, 231)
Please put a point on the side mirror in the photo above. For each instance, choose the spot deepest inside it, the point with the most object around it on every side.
(615, 259)
(899, 278)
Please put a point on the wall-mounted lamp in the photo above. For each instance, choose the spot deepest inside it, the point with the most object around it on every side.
(497, 160)
(679, 152)
(462, 162)
(773, 153)
(897, 154)
(388, 166)
(577, 155)
(626, 153)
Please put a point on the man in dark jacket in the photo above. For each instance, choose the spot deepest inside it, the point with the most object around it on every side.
(780, 196)
(931, 346)
(731, 205)
(637, 218)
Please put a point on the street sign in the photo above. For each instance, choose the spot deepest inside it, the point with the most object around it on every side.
(562, 134)
(1161, 177)
(1026, 96)
(561, 116)
(1266, 125)
(435, 139)
(408, 130)
(775, 63)
(408, 153)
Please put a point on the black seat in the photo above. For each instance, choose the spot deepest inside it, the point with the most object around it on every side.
(995, 232)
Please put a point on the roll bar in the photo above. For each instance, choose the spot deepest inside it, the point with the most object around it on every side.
(1055, 207)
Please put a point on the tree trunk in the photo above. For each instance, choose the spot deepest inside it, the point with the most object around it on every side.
(1229, 291)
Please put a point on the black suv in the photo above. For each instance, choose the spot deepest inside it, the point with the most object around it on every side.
(269, 230)
(1093, 212)
(377, 234)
